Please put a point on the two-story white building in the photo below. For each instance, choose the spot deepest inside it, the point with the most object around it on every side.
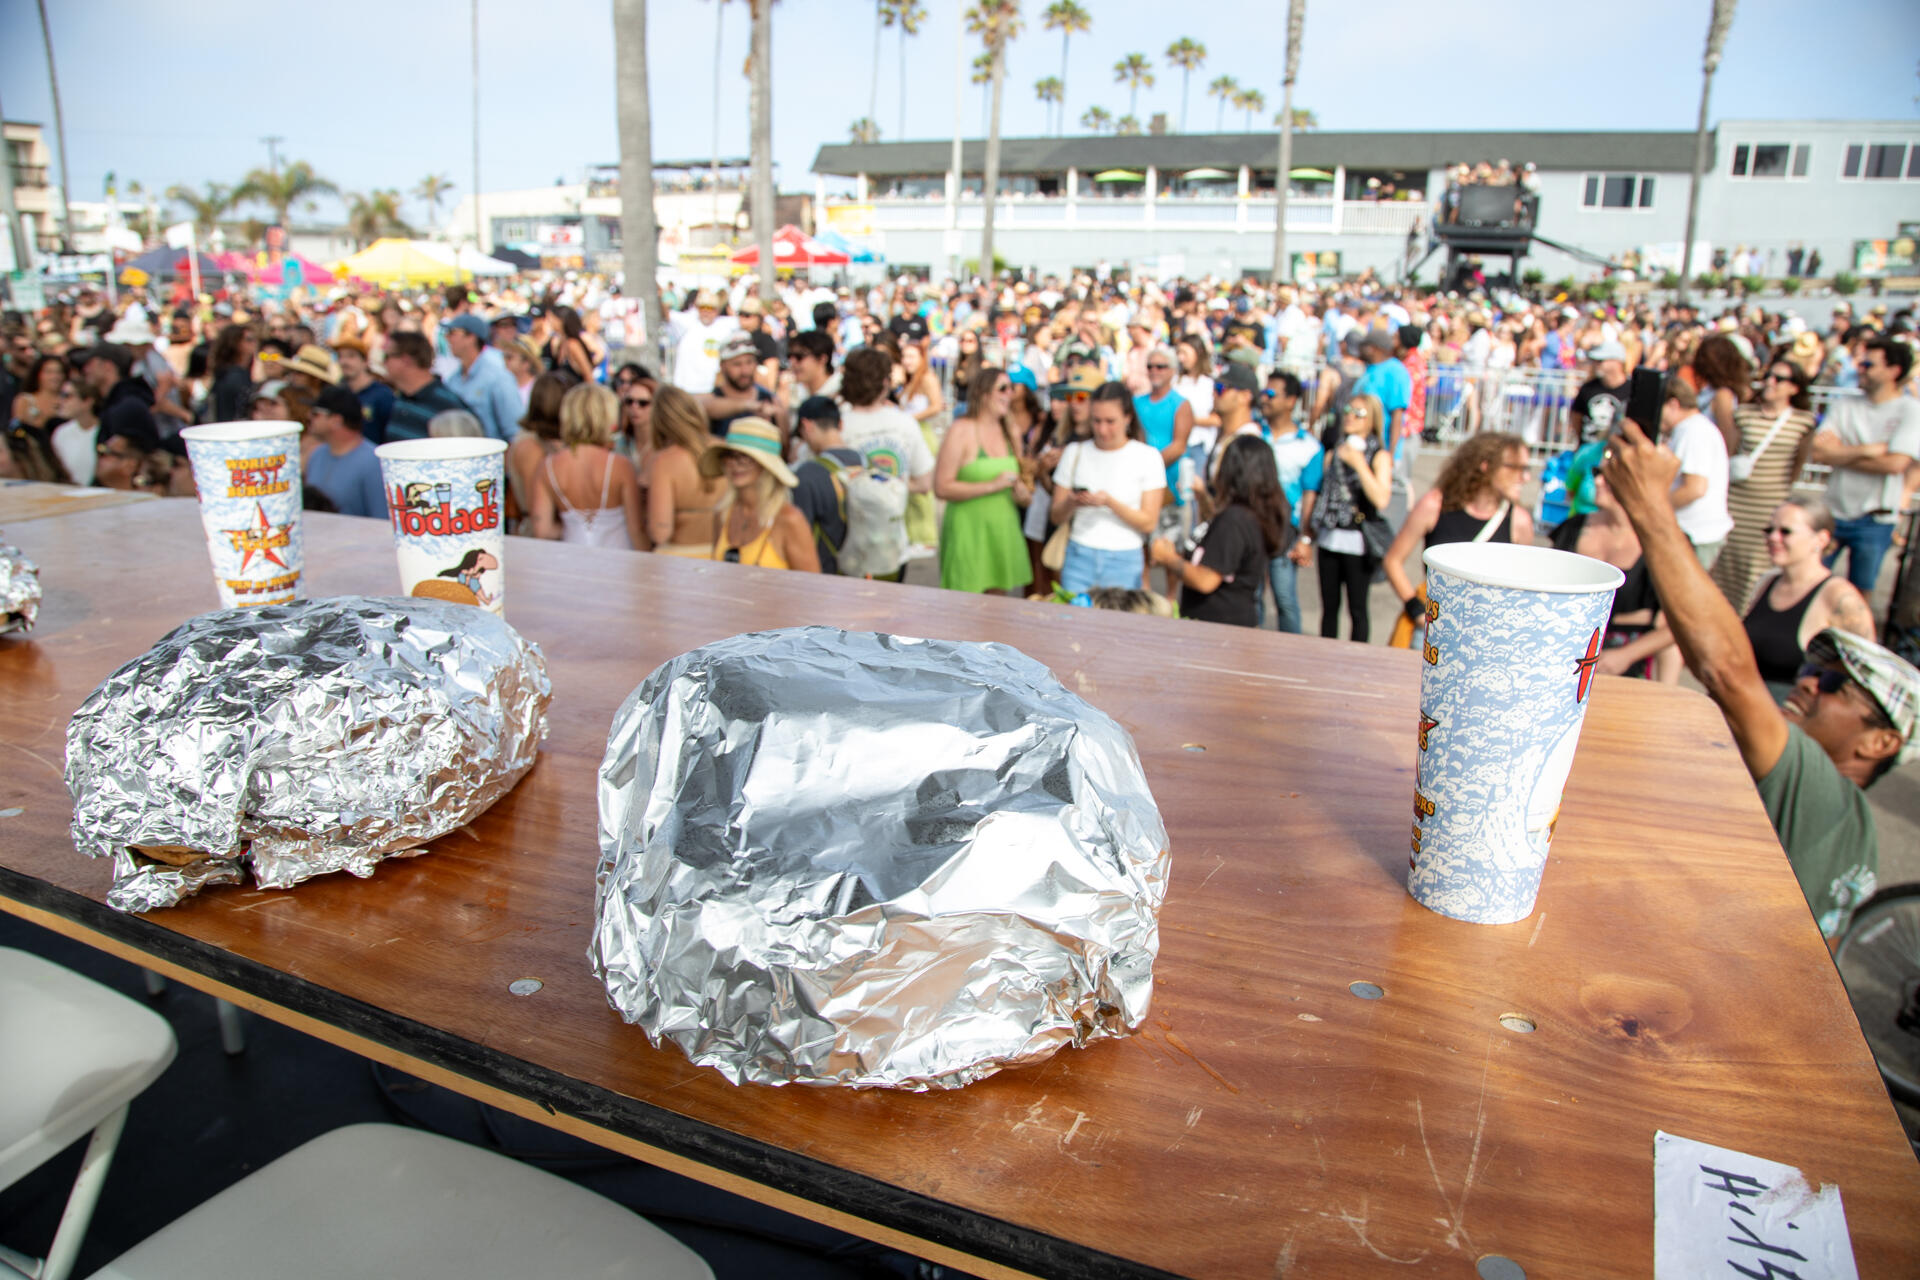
(1199, 204)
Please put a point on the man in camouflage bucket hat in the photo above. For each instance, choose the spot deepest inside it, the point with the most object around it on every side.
(1849, 718)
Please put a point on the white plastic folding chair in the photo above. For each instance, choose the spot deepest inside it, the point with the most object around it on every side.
(73, 1055)
(379, 1201)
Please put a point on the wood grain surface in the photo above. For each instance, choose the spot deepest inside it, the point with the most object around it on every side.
(22, 500)
(1266, 1122)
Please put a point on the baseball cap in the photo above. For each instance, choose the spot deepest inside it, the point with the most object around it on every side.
(1607, 351)
(1084, 378)
(473, 324)
(342, 402)
(1888, 679)
(1239, 377)
(1380, 340)
(819, 409)
(740, 344)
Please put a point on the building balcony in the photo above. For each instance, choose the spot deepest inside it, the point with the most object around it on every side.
(1174, 212)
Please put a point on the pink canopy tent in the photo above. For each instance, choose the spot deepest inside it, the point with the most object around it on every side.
(793, 247)
(270, 271)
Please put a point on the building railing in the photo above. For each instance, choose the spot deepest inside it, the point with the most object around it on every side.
(29, 175)
(1196, 213)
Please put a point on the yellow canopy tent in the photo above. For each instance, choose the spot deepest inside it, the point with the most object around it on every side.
(394, 261)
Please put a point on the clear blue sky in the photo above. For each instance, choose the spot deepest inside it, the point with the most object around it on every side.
(378, 94)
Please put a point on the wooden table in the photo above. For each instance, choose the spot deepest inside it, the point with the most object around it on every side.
(1266, 1121)
(22, 500)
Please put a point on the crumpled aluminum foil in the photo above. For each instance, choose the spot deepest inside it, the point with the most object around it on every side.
(19, 590)
(845, 858)
(300, 739)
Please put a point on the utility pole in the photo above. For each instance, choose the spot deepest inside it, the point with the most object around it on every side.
(1710, 63)
(477, 247)
(273, 141)
(59, 134)
(1283, 175)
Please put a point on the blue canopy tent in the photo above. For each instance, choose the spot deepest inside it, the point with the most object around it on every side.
(855, 251)
(165, 264)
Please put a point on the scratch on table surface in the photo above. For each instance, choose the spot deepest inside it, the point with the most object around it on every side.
(1219, 863)
(35, 755)
(1306, 1017)
(1032, 1119)
(1193, 1118)
(1457, 1236)
(1084, 683)
(1359, 1225)
(11, 813)
(1283, 1261)
(1174, 1040)
(1537, 926)
(1079, 1118)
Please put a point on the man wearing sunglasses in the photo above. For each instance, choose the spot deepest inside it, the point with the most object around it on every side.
(1850, 718)
(1167, 419)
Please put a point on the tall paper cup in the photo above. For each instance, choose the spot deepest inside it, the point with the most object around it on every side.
(1513, 635)
(443, 499)
(248, 476)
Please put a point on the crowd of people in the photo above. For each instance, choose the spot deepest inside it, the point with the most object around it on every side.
(1178, 448)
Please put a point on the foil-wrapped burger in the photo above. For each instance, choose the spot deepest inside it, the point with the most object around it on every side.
(300, 739)
(19, 590)
(857, 859)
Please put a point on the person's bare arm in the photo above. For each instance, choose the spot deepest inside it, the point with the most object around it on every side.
(660, 500)
(546, 524)
(1140, 519)
(1376, 481)
(1206, 581)
(955, 451)
(1709, 632)
(1182, 429)
(1419, 524)
(1846, 608)
(1720, 410)
(1522, 530)
(795, 538)
(1690, 489)
(1872, 459)
(630, 504)
(1651, 643)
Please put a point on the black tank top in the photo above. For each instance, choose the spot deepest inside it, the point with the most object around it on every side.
(1775, 635)
(1459, 526)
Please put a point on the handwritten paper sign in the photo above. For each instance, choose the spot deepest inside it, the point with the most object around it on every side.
(1725, 1214)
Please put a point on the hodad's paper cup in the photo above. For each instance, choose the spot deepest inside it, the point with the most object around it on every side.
(1513, 636)
(444, 498)
(248, 476)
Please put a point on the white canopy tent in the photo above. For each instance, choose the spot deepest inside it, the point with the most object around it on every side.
(466, 258)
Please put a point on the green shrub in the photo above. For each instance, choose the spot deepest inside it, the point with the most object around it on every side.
(1532, 276)
(1790, 285)
(1845, 283)
(1751, 285)
(1601, 291)
(1709, 280)
(1670, 280)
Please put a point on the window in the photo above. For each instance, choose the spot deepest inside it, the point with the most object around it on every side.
(1770, 160)
(1618, 191)
(1878, 161)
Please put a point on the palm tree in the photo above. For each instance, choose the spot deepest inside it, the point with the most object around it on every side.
(1066, 17)
(1224, 88)
(995, 22)
(433, 189)
(760, 190)
(1188, 55)
(374, 215)
(863, 130)
(1289, 119)
(880, 10)
(1096, 119)
(983, 76)
(203, 207)
(1127, 126)
(639, 232)
(1133, 71)
(1303, 117)
(1250, 101)
(907, 15)
(1049, 91)
(281, 191)
(1716, 40)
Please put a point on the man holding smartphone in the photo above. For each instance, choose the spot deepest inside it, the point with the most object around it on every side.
(1850, 718)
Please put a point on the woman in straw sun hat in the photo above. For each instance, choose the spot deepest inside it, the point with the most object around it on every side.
(757, 524)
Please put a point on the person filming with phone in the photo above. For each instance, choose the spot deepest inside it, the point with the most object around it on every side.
(1850, 716)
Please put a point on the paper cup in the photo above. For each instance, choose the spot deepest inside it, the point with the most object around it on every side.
(248, 477)
(1513, 635)
(443, 499)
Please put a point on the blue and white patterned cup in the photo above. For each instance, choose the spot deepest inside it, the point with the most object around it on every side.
(248, 478)
(1513, 636)
(444, 499)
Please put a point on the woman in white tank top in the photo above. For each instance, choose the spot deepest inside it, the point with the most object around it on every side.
(588, 494)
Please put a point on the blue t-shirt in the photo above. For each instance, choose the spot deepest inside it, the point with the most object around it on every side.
(1156, 419)
(351, 481)
(1298, 457)
(376, 405)
(1390, 381)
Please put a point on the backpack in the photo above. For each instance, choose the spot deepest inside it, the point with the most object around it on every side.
(874, 506)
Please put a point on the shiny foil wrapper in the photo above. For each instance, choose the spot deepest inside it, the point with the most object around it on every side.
(845, 858)
(296, 740)
(19, 590)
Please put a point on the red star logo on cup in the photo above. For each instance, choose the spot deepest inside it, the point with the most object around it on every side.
(261, 537)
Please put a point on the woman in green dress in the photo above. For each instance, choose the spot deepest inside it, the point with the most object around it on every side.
(978, 476)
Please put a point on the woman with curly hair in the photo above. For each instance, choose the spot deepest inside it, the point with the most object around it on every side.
(1476, 499)
(1721, 374)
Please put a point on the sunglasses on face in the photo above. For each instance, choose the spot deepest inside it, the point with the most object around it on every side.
(1357, 411)
(732, 555)
(636, 402)
(1163, 367)
(1829, 679)
(1079, 397)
